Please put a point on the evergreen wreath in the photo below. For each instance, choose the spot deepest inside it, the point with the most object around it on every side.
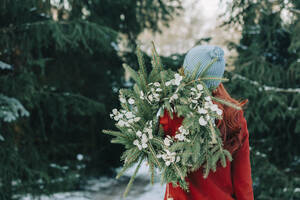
(197, 142)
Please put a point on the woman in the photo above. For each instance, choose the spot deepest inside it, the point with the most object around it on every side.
(234, 181)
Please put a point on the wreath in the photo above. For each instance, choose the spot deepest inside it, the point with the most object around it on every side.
(197, 142)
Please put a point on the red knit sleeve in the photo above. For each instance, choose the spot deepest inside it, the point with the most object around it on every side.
(241, 169)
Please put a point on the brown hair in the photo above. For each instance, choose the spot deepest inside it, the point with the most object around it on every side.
(230, 124)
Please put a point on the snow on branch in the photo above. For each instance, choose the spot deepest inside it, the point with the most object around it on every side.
(11, 109)
(265, 87)
(5, 66)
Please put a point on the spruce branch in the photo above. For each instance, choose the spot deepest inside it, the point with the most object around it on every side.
(129, 162)
(156, 58)
(222, 101)
(141, 62)
(203, 73)
(154, 155)
(132, 178)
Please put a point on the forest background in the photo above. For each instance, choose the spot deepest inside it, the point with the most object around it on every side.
(61, 69)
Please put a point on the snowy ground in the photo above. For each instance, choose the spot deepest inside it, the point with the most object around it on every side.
(106, 188)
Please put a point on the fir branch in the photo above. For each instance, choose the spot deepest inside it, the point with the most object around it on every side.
(132, 178)
(178, 170)
(163, 82)
(114, 133)
(154, 155)
(141, 65)
(207, 67)
(135, 154)
(212, 78)
(133, 74)
(213, 133)
(158, 140)
(129, 162)
(222, 101)
(156, 58)
(194, 74)
(151, 166)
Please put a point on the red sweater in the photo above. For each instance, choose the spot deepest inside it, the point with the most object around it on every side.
(229, 183)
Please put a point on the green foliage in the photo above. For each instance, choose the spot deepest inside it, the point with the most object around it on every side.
(197, 143)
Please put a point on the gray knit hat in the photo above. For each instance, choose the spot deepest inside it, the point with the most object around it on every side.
(204, 55)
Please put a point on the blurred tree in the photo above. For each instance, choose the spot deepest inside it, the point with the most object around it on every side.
(66, 71)
(267, 73)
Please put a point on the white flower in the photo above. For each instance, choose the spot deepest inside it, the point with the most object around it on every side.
(130, 121)
(207, 105)
(202, 110)
(173, 159)
(150, 135)
(207, 117)
(131, 101)
(168, 83)
(139, 133)
(167, 141)
(174, 96)
(178, 159)
(144, 138)
(137, 119)
(207, 98)
(158, 90)
(155, 95)
(123, 100)
(144, 145)
(178, 79)
(219, 112)
(200, 87)
(136, 142)
(149, 131)
(115, 111)
(178, 76)
(142, 95)
(202, 121)
(158, 156)
(183, 131)
(129, 115)
(194, 89)
(180, 137)
(194, 101)
(198, 96)
(156, 84)
(116, 118)
(150, 97)
(168, 163)
(121, 123)
(214, 107)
